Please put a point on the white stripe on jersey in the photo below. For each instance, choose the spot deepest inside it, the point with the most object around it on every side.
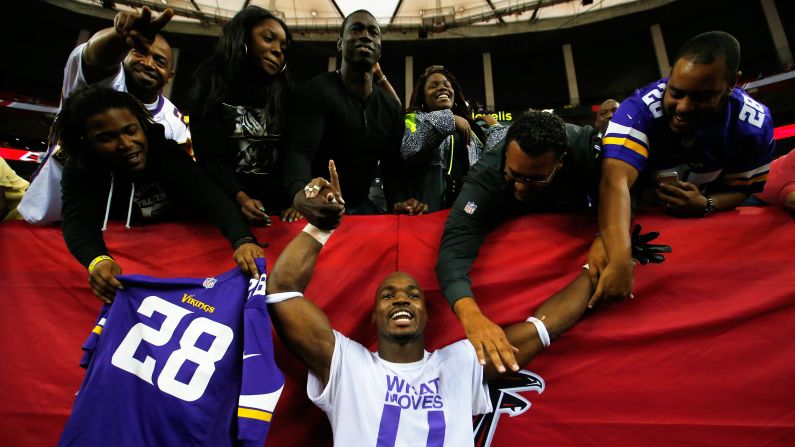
(618, 129)
(749, 174)
(264, 402)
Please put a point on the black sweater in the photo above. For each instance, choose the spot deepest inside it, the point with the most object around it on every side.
(171, 186)
(328, 122)
(238, 145)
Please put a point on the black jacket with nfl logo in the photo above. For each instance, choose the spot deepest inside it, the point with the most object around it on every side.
(486, 200)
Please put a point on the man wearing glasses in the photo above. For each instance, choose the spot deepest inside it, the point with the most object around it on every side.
(542, 165)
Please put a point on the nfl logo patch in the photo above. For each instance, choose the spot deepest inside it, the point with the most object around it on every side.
(470, 207)
(209, 283)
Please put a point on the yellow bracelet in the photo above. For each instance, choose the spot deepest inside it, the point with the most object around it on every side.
(97, 260)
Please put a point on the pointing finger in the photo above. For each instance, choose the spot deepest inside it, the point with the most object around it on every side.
(146, 14)
(163, 19)
(333, 175)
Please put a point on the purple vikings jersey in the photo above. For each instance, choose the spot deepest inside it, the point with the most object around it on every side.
(179, 362)
(735, 152)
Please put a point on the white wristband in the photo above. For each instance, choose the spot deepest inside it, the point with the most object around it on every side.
(282, 296)
(541, 329)
(318, 234)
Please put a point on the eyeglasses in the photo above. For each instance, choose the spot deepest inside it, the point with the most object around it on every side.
(534, 180)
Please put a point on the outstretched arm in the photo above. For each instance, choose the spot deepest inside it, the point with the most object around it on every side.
(615, 279)
(301, 325)
(565, 308)
(107, 48)
(559, 313)
(380, 80)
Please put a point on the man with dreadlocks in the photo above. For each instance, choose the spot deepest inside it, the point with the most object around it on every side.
(118, 162)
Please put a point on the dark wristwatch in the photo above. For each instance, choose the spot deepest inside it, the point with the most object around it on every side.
(710, 208)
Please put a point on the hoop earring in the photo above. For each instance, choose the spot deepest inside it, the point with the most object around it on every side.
(245, 50)
(284, 67)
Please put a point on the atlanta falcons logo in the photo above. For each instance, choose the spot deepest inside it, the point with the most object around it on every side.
(505, 399)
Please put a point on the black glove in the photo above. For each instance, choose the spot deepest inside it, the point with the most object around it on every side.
(643, 251)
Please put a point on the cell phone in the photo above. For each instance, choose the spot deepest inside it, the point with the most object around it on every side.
(669, 178)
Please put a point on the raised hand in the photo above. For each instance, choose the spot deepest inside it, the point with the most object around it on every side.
(139, 31)
(321, 201)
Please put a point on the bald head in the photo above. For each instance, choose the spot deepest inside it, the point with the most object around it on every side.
(396, 277)
(399, 311)
(605, 112)
(147, 72)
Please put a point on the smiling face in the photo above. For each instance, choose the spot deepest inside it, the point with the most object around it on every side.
(360, 43)
(438, 91)
(695, 94)
(400, 313)
(117, 137)
(267, 44)
(149, 72)
(526, 173)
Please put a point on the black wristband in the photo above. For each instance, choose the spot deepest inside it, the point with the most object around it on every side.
(710, 208)
(244, 240)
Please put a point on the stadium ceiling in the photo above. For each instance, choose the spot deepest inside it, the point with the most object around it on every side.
(439, 18)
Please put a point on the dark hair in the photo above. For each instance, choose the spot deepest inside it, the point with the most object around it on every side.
(227, 72)
(347, 18)
(460, 103)
(70, 123)
(538, 132)
(707, 47)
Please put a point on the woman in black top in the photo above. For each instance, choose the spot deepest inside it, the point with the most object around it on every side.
(238, 104)
(118, 163)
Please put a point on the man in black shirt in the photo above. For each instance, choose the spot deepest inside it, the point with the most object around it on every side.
(542, 165)
(341, 116)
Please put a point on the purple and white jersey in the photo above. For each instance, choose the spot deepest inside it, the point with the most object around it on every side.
(185, 362)
(163, 111)
(371, 402)
(735, 152)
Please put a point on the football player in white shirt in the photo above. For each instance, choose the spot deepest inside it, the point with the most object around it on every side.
(401, 395)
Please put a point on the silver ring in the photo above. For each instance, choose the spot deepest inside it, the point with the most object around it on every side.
(316, 188)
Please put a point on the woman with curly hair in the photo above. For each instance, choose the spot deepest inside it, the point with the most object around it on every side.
(441, 141)
(119, 163)
(238, 107)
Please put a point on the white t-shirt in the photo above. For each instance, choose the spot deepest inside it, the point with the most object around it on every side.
(371, 402)
(163, 111)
